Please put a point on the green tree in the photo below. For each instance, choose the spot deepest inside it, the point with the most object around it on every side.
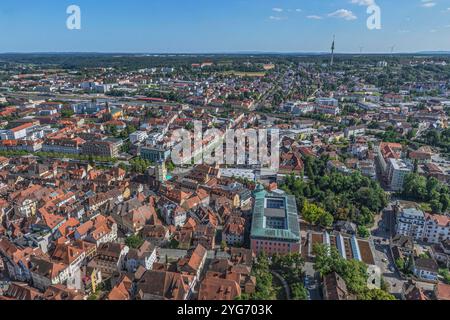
(299, 292)
(170, 166)
(353, 272)
(436, 206)
(325, 260)
(264, 279)
(314, 214)
(174, 244)
(223, 245)
(134, 241)
(400, 263)
(67, 113)
(326, 220)
(415, 187)
(445, 274)
(375, 294)
(363, 232)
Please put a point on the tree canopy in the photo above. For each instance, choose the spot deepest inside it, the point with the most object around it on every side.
(345, 197)
(431, 191)
(353, 272)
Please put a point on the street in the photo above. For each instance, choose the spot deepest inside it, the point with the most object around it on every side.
(312, 282)
(380, 238)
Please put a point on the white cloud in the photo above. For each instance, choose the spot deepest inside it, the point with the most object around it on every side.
(343, 14)
(277, 18)
(314, 17)
(300, 10)
(277, 9)
(428, 4)
(363, 2)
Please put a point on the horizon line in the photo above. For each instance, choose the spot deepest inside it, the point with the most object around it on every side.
(436, 52)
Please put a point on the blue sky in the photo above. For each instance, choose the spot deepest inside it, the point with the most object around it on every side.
(195, 26)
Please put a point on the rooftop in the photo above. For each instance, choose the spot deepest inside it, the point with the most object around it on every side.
(269, 205)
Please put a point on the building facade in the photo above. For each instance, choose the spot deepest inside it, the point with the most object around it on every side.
(275, 224)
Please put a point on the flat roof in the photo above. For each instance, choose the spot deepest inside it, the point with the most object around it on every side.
(275, 213)
(291, 233)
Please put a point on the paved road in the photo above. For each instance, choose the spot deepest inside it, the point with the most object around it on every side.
(383, 258)
(313, 281)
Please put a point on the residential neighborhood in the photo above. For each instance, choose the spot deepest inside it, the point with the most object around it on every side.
(95, 206)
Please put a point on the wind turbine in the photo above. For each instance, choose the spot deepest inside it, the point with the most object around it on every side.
(392, 49)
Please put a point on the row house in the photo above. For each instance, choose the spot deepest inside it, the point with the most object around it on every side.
(165, 285)
(132, 215)
(173, 214)
(16, 260)
(63, 145)
(99, 230)
(45, 273)
(109, 258)
(234, 231)
(73, 254)
(144, 256)
(25, 200)
(441, 252)
(193, 264)
(158, 235)
(413, 222)
(436, 228)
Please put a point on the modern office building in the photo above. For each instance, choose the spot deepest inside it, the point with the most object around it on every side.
(155, 154)
(275, 223)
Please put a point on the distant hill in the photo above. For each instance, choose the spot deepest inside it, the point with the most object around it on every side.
(435, 52)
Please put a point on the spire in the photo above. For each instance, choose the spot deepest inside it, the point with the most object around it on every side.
(260, 191)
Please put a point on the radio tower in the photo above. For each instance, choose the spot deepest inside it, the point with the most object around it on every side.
(332, 51)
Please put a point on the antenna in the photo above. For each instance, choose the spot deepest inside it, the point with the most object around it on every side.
(332, 50)
(361, 49)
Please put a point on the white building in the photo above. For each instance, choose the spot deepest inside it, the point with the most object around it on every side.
(237, 173)
(367, 168)
(437, 228)
(413, 222)
(410, 220)
(326, 109)
(354, 131)
(234, 230)
(426, 269)
(173, 214)
(96, 86)
(145, 256)
(397, 171)
(16, 133)
(332, 102)
(368, 106)
(138, 136)
(298, 107)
